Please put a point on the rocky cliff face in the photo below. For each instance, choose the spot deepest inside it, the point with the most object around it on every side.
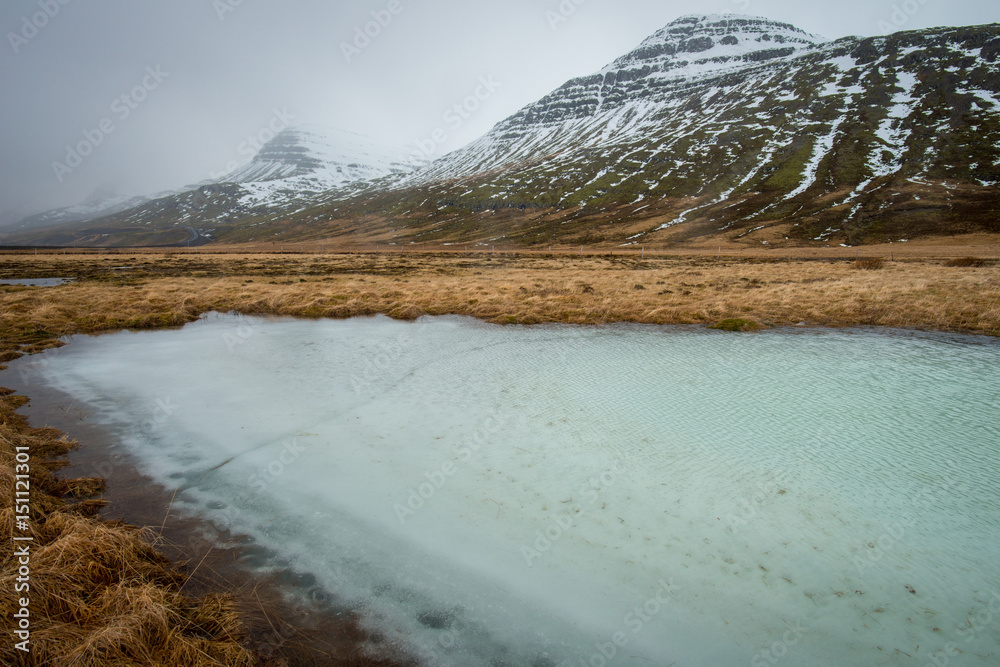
(747, 122)
(644, 84)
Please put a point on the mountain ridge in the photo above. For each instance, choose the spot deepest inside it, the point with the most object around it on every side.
(299, 162)
(713, 125)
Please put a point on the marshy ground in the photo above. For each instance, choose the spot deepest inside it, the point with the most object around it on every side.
(104, 594)
(126, 290)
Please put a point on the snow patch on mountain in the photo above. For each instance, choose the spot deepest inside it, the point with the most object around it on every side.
(310, 159)
(697, 45)
(629, 97)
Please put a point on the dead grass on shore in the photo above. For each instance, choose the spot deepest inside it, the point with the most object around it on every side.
(100, 594)
(922, 294)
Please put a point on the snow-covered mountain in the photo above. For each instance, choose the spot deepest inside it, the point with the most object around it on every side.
(103, 201)
(286, 175)
(629, 98)
(331, 157)
(714, 125)
(740, 124)
(310, 159)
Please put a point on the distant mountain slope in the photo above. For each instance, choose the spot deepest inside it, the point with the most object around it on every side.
(329, 156)
(101, 202)
(296, 165)
(742, 123)
(309, 159)
(721, 125)
(628, 99)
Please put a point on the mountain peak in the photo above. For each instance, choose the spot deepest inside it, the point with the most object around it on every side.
(703, 43)
(332, 155)
(726, 127)
(722, 24)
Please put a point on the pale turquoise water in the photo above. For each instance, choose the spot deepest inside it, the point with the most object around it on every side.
(531, 496)
(36, 282)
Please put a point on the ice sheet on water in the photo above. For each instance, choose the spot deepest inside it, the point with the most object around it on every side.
(531, 496)
(36, 282)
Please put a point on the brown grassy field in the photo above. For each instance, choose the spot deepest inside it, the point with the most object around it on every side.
(143, 291)
(103, 593)
(753, 246)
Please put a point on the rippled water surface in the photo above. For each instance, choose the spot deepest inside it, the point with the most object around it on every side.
(36, 282)
(624, 495)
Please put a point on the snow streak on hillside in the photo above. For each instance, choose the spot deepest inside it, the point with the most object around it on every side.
(741, 121)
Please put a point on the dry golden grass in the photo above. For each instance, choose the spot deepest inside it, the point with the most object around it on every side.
(104, 596)
(100, 593)
(158, 292)
(870, 263)
(967, 262)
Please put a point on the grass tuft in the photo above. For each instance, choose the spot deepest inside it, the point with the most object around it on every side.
(967, 262)
(870, 264)
(737, 324)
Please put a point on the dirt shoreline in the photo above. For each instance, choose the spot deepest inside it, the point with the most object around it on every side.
(108, 591)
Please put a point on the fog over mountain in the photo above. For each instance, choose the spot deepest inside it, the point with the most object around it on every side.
(125, 99)
(716, 127)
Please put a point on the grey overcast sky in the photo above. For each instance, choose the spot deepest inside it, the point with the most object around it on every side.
(168, 92)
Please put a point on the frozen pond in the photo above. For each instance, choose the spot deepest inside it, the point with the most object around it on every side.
(622, 495)
(36, 282)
